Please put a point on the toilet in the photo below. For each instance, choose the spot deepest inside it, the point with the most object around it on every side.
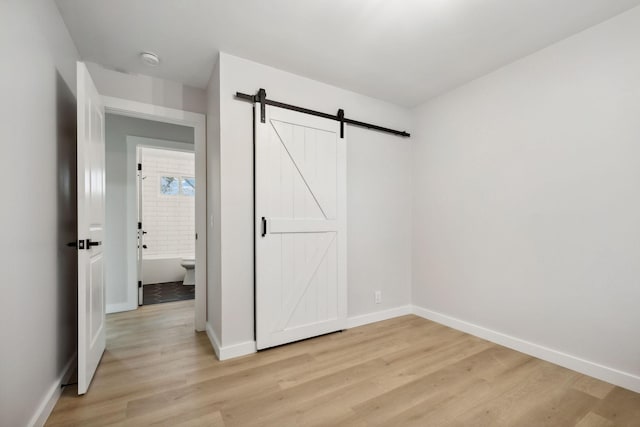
(189, 265)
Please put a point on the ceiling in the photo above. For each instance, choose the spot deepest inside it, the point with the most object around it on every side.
(402, 51)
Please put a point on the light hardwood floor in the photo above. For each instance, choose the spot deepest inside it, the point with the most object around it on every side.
(400, 372)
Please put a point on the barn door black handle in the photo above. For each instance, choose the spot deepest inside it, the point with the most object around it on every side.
(264, 226)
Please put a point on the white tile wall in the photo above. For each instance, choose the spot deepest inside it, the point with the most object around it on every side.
(168, 220)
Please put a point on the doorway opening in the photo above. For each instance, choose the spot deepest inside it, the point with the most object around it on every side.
(169, 145)
(98, 235)
(166, 189)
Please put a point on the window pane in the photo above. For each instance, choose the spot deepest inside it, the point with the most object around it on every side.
(168, 185)
(189, 186)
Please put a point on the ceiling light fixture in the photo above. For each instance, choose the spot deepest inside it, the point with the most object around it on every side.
(150, 59)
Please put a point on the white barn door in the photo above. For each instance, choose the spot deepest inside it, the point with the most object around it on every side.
(91, 214)
(301, 268)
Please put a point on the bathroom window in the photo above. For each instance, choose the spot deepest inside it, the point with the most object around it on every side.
(188, 186)
(168, 185)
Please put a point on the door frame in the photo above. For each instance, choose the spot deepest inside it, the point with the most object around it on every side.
(135, 143)
(197, 121)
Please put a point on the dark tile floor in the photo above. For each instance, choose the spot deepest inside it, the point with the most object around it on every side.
(167, 292)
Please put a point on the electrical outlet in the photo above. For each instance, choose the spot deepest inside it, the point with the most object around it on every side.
(378, 296)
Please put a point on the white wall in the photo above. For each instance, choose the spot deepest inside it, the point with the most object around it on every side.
(147, 89)
(379, 192)
(38, 332)
(526, 206)
(120, 197)
(214, 255)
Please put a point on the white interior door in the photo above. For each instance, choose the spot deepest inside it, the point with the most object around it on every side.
(140, 230)
(301, 267)
(91, 214)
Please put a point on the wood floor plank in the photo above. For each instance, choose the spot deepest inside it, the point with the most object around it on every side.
(457, 375)
(445, 407)
(593, 386)
(405, 371)
(511, 407)
(620, 406)
(594, 420)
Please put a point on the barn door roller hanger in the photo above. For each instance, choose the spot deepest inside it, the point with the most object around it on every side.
(261, 98)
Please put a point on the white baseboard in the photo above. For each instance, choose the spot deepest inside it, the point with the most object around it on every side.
(604, 373)
(122, 306)
(378, 316)
(213, 339)
(230, 351)
(53, 394)
(237, 350)
(249, 347)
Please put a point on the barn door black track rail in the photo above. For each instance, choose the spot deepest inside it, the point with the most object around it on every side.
(261, 98)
